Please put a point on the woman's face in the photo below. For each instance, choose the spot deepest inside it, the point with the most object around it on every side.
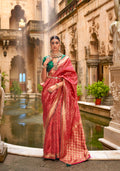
(55, 44)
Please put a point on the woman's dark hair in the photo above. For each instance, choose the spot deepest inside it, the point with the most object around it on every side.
(54, 37)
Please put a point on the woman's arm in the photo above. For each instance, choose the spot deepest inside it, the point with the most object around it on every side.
(44, 69)
(44, 73)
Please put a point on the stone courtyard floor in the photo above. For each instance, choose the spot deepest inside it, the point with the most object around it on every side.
(20, 163)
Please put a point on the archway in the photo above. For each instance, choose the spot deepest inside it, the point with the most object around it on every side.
(94, 45)
(16, 15)
(63, 48)
(18, 72)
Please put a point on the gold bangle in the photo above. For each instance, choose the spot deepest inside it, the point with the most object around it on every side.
(57, 85)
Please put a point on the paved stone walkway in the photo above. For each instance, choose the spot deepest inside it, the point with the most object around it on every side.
(20, 163)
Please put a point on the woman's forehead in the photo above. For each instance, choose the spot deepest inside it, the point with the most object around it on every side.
(54, 40)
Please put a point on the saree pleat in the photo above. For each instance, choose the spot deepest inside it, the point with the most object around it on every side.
(64, 135)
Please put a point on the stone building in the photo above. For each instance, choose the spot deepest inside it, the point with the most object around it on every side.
(82, 25)
(21, 37)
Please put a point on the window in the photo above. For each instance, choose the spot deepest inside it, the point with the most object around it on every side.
(22, 77)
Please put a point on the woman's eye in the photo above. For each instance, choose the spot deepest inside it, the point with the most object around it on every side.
(54, 43)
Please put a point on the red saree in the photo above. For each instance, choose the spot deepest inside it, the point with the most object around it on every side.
(64, 136)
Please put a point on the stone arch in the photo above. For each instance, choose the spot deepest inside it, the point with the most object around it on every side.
(63, 48)
(18, 71)
(16, 14)
(94, 44)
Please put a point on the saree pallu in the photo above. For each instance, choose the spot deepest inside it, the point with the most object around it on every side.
(64, 136)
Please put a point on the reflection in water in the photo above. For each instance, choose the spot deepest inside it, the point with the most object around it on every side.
(22, 116)
(24, 125)
(93, 127)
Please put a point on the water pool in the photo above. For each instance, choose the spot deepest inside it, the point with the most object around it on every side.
(22, 124)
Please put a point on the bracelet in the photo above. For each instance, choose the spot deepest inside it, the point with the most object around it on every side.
(57, 85)
(44, 66)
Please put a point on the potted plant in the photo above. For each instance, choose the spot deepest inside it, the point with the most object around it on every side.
(4, 80)
(79, 91)
(15, 89)
(98, 90)
(39, 88)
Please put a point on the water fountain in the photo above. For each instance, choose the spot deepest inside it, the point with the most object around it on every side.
(111, 138)
(3, 149)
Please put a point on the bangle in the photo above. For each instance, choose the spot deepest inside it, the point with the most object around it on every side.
(57, 85)
(44, 66)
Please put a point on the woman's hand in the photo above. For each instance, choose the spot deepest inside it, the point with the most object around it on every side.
(52, 88)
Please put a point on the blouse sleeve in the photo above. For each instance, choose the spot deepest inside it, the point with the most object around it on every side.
(44, 60)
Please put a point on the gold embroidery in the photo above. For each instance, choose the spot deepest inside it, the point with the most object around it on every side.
(53, 156)
(52, 110)
(63, 60)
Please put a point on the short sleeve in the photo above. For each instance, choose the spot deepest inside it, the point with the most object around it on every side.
(44, 60)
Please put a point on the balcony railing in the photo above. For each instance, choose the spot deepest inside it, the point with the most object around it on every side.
(34, 26)
(10, 34)
(70, 8)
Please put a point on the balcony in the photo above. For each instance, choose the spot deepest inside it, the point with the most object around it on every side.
(34, 29)
(10, 34)
(34, 26)
(70, 8)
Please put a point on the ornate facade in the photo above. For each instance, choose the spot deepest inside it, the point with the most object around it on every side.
(84, 29)
(82, 25)
(21, 41)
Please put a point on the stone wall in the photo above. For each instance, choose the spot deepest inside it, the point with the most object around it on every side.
(85, 36)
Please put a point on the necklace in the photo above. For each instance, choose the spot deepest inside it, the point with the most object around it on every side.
(56, 64)
(56, 55)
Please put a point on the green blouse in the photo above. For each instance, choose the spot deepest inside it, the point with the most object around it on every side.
(50, 64)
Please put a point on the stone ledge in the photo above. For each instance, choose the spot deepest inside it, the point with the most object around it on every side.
(100, 110)
(3, 154)
(109, 145)
(38, 152)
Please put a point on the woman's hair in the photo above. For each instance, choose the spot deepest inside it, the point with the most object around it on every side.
(54, 37)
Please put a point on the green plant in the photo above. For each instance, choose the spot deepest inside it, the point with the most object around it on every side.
(98, 89)
(15, 89)
(69, 1)
(79, 89)
(39, 88)
(4, 80)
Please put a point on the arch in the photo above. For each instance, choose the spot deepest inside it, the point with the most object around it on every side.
(94, 44)
(63, 48)
(18, 72)
(16, 15)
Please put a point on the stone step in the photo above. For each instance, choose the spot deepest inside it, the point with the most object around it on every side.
(3, 154)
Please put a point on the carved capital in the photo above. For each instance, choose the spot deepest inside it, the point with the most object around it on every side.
(92, 62)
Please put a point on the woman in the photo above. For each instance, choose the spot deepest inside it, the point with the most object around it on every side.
(64, 137)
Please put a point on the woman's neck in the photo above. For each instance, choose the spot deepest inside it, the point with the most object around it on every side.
(56, 54)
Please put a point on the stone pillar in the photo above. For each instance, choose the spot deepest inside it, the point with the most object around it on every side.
(111, 138)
